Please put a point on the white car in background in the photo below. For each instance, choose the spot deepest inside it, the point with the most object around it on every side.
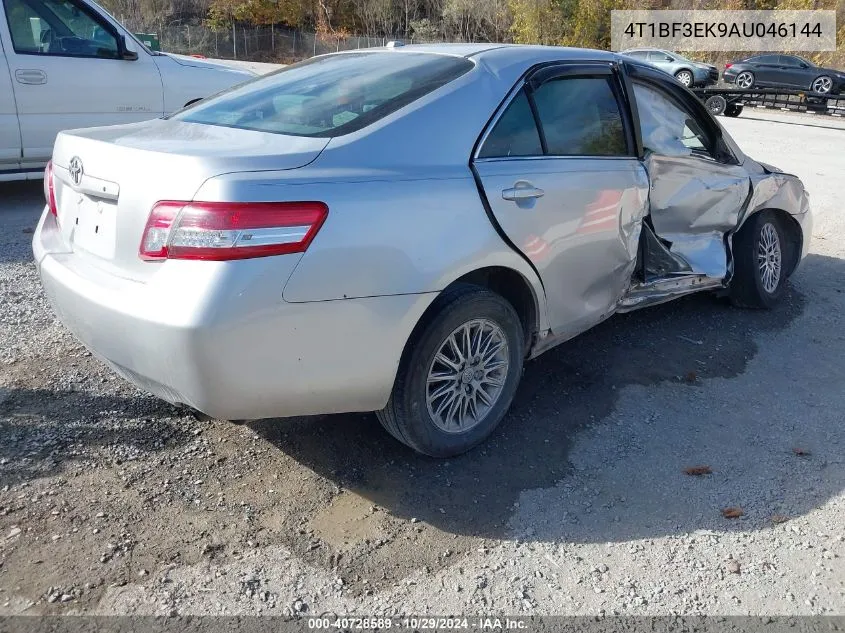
(67, 64)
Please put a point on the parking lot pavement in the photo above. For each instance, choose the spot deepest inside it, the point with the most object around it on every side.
(114, 502)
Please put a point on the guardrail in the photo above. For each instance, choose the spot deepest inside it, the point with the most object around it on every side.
(730, 101)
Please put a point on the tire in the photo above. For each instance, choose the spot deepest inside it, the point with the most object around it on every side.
(411, 414)
(822, 85)
(716, 104)
(749, 288)
(685, 77)
(744, 80)
(733, 110)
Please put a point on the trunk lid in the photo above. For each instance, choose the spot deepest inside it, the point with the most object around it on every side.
(108, 179)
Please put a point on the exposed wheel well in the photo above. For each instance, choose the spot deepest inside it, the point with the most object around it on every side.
(514, 288)
(505, 282)
(794, 239)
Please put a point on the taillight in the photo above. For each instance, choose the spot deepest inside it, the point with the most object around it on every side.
(50, 189)
(728, 65)
(230, 230)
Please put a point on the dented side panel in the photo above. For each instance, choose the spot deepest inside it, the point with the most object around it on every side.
(581, 235)
(694, 203)
(775, 190)
(694, 200)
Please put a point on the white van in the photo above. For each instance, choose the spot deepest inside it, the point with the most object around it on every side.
(68, 64)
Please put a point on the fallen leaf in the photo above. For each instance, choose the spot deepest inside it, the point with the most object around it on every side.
(779, 518)
(801, 452)
(697, 471)
(690, 377)
(732, 512)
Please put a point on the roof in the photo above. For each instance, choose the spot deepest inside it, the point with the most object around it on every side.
(499, 56)
(505, 53)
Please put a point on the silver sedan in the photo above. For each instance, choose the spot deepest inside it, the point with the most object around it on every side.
(398, 230)
(690, 73)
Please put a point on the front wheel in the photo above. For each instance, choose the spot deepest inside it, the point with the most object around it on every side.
(459, 374)
(759, 274)
(685, 77)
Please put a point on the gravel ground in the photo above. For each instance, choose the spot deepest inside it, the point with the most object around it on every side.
(114, 502)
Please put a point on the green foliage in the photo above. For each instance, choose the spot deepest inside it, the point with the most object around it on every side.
(584, 23)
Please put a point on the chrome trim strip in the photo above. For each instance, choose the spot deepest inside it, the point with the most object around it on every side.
(272, 236)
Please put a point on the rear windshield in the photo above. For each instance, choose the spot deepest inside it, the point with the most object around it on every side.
(329, 96)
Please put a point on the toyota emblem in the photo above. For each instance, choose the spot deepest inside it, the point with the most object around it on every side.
(75, 169)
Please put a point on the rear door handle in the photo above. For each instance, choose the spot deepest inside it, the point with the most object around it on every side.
(31, 76)
(522, 191)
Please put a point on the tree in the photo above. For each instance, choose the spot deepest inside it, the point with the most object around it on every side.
(540, 21)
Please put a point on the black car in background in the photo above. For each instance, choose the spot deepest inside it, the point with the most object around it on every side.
(783, 71)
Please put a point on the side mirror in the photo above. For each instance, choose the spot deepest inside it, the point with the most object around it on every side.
(123, 52)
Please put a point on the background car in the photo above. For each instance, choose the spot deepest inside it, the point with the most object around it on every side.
(68, 64)
(783, 71)
(397, 230)
(690, 73)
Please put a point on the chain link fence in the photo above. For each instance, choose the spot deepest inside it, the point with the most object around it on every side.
(253, 43)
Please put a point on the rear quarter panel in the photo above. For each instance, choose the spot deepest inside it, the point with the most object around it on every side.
(387, 233)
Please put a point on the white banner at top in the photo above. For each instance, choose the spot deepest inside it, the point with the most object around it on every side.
(723, 30)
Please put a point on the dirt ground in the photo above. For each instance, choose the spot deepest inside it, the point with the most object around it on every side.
(114, 502)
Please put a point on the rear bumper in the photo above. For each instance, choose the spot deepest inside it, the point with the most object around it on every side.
(218, 336)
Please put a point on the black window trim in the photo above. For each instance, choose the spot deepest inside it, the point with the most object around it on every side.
(550, 71)
(87, 10)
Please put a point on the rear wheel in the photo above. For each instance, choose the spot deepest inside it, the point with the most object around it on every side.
(716, 104)
(759, 273)
(685, 77)
(745, 80)
(822, 85)
(733, 110)
(458, 377)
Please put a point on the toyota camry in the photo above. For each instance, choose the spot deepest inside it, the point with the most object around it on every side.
(398, 230)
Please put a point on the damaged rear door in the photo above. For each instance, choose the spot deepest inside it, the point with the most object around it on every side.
(697, 193)
(559, 169)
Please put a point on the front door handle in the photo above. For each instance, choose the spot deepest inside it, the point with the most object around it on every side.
(31, 76)
(522, 191)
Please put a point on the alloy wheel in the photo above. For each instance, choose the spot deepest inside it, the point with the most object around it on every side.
(745, 80)
(822, 85)
(467, 375)
(685, 77)
(769, 257)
